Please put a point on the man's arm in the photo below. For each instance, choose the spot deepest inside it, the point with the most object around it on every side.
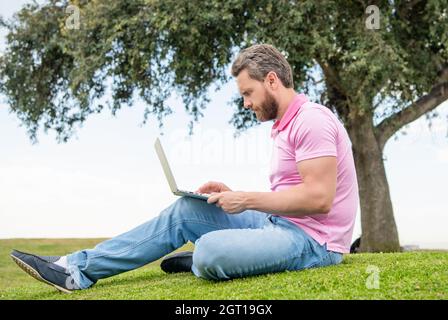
(314, 195)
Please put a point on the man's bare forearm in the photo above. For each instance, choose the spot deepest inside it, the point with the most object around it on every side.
(295, 201)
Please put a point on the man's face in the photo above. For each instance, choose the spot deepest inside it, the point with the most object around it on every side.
(257, 97)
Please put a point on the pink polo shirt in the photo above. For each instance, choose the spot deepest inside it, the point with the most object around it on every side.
(308, 130)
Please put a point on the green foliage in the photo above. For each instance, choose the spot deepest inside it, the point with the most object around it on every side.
(148, 49)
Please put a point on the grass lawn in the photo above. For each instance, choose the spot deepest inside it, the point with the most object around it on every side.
(411, 275)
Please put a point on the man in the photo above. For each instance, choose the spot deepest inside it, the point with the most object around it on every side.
(305, 221)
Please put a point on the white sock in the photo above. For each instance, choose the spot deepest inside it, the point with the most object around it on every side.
(62, 261)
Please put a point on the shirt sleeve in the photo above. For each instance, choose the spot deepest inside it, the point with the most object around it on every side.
(315, 135)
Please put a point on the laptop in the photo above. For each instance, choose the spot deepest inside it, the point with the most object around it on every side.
(169, 175)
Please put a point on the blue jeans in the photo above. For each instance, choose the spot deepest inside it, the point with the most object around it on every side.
(226, 245)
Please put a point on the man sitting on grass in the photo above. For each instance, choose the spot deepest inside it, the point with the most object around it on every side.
(305, 221)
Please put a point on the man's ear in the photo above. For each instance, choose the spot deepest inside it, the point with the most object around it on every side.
(271, 77)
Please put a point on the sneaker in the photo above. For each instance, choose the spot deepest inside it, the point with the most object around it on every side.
(178, 262)
(43, 269)
(51, 259)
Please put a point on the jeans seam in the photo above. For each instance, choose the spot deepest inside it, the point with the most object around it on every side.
(130, 247)
(305, 249)
(255, 268)
(292, 228)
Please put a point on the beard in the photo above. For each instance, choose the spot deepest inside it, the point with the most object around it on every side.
(268, 108)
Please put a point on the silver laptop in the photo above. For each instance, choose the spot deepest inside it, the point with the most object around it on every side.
(170, 177)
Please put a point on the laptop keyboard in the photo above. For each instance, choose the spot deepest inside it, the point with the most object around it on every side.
(200, 194)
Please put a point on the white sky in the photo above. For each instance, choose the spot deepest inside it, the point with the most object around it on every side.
(107, 179)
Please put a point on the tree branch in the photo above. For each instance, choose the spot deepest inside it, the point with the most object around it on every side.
(385, 129)
(332, 76)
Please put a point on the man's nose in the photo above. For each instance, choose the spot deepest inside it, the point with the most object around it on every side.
(247, 103)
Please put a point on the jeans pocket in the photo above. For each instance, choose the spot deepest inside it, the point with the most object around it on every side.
(325, 261)
(336, 257)
(329, 258)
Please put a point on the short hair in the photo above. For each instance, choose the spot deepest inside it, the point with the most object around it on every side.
(259, 60)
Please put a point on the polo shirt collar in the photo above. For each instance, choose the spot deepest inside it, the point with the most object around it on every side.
(291, 111)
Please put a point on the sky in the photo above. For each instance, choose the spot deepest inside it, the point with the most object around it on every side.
(107, 178)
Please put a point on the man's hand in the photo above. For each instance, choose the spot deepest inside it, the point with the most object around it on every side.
(213, 186)
(229, 201)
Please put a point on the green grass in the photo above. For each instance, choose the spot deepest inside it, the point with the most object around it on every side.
(412, 275)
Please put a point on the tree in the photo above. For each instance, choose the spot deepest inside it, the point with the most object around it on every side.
(376, 80)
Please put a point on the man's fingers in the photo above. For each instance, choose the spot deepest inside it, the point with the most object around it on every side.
(205, 188)
(213, 197)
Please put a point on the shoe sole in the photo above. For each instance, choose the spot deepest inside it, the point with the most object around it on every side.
(32, 272)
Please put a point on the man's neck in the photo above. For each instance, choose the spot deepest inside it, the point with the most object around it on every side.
(284, 101)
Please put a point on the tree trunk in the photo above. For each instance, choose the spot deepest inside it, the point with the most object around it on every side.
(379, 231)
